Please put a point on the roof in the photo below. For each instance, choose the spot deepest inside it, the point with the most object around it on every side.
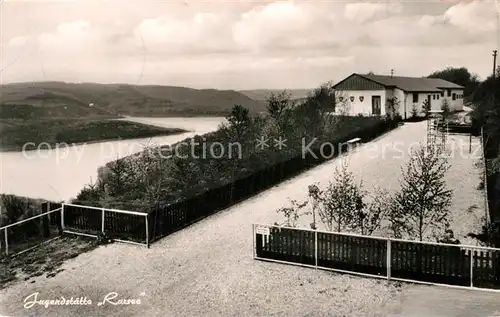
(411, 84)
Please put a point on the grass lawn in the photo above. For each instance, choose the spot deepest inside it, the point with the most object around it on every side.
(16, 133)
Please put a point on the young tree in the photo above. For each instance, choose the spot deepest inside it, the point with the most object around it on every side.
(310, 114)
(393, 104)
(237, 134)
(446, 108)
(426, 107)
(342, 206)
(292, 213)
(118, 178)
(278, 107)
(314, 195)
(339, 201)
(423, 202)
(239, 120)
(414, 111)
(368, 219)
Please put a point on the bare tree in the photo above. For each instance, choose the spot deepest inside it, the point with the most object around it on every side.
(340, 200)
(292, 213)
(278, 107)
(310, 115)
(341, 205)
(368, 219)
(423, 202)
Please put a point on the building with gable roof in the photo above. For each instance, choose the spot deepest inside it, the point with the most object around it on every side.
(369, 94)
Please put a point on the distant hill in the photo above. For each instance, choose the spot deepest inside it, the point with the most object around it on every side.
(68, 100)
(263, 94)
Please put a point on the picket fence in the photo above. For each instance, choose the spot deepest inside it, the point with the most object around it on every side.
(380, 257)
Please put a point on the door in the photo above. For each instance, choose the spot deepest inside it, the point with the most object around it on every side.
(429, 101)
(376, 102)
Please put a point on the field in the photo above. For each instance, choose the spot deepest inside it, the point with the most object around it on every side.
(16, 133)
(207, 269)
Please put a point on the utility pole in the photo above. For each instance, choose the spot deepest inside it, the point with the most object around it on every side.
(494, 63)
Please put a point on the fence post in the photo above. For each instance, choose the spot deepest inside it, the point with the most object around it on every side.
(6, 242)
(102, 224)
(388, 259)
(471, 268)
(316, 248)
(62, 217)
(253, 241)
(147, 230)
(44, 222)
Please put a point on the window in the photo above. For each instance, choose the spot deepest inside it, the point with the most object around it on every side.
(341, 99)
(442, 93)
(415, 97)
(449, 92)
(453, 97)
(437, 97)
(352, 98)
(433, 97)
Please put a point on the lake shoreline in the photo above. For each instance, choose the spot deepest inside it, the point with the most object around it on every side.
(74, 144)
(37, 135)
(59, 175)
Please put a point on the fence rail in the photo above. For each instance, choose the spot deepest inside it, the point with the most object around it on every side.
(26, 234)
(118, 225)
(414, 261)
(485, 180)
(143, 228)
(167, 219)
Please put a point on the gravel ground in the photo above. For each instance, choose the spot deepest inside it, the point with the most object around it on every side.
(208, 269)
(378, 165)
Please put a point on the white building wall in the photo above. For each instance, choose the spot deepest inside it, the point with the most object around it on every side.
(405, 98)
(400, 95)
(458, 103)
(435, 99)
(357, 106)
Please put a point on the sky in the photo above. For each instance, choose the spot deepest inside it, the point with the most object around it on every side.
(241, 44)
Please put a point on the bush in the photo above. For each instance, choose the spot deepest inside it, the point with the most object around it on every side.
(147, 178)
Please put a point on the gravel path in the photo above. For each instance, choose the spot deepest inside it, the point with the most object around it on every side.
(208, 269)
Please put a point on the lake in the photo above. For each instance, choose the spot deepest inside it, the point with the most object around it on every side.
(60, 173)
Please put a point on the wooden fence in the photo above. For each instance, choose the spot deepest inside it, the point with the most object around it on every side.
(403, 260)
(143, 228)
(59, 218)
(26, 234)
(117, 225)
(168, 218)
